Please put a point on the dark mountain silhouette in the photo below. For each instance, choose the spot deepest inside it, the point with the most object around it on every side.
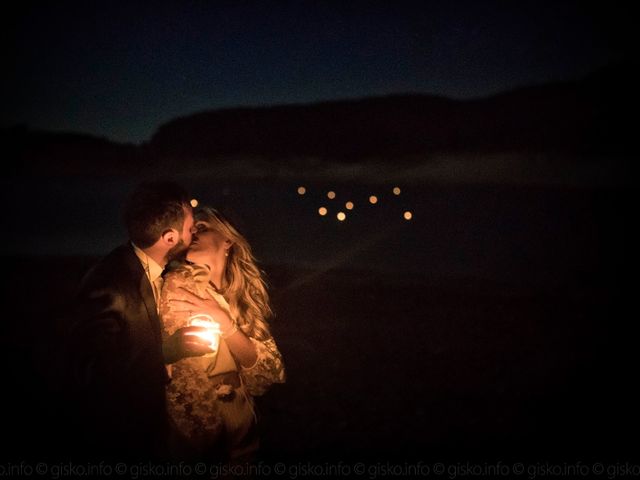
(535, 119)
(583, 117)
(64, 153)
(575, 117)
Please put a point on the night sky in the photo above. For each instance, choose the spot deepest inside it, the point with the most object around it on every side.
(121, 69)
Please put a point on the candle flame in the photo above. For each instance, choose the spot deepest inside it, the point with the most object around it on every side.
(212, 333)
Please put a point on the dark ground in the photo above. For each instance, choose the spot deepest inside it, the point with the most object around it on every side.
(392, 369)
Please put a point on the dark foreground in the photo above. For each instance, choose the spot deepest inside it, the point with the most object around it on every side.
(390, 368)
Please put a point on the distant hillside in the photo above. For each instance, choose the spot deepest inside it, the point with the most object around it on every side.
(577, 117)
(39, 152)
(583, 118)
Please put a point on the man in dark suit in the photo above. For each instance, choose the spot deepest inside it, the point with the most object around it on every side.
(115, 345)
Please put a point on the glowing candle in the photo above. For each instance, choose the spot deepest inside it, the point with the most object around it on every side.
(212, 333)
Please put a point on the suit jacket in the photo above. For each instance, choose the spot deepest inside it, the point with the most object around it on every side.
(118, 377)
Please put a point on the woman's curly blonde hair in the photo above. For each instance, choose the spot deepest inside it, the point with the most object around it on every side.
(243, 285)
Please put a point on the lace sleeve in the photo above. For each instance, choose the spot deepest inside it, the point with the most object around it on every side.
(268, 369)
(190, 277)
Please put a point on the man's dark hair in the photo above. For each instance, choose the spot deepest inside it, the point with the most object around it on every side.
(152, 209)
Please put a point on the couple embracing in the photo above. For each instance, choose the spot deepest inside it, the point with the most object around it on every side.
(146, 380)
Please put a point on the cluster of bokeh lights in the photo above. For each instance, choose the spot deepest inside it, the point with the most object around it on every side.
(349, 205)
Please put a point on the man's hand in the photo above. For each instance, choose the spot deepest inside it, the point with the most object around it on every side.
(183, 343)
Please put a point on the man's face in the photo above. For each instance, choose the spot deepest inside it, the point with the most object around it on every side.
(187, 227)
(185, 236)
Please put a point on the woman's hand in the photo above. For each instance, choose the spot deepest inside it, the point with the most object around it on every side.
(194, 304)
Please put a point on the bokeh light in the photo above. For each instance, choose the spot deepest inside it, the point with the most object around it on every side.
(373, 199)
(348, 205)
(193, 202)
(322, 211)
(331, 194)
(302, 190)
(408, 215)
(341, 216)
(396, 190)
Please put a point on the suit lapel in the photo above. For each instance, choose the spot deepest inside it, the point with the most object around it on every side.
(150, 305)
(144, 291)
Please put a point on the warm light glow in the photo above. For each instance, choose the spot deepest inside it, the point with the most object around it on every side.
(194, 202)
(408, 215)
(396, 190)
(322, 211)
(302, 190)
(373, 199)
(349, 205)
(341, 216)
(331, 194)
(212, 333)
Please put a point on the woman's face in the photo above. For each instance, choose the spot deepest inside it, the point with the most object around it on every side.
(207, 245)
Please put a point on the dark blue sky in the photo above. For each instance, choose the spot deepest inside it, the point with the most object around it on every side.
(121, 69)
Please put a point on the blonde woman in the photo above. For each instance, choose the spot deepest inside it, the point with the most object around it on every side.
(210, 398)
